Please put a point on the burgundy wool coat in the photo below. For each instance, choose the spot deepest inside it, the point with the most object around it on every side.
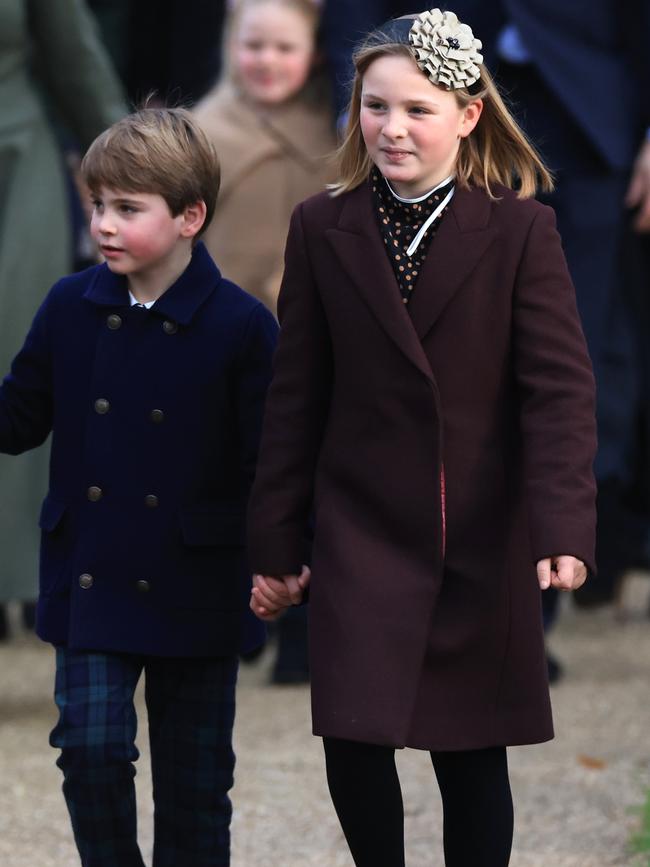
(445, 449)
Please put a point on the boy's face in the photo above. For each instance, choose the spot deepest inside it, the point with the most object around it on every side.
(136, 232)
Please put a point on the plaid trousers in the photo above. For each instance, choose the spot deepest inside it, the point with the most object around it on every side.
(191, 708)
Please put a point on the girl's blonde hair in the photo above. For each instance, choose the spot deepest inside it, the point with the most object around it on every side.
(495, 152)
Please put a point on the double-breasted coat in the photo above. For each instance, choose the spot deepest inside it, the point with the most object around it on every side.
(445, 452)
(155, 416)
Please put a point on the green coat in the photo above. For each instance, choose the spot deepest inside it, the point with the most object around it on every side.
(54, 43)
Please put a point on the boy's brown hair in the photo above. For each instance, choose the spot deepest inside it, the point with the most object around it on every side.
(156, 150)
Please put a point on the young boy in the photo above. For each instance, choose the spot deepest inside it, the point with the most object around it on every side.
(151, 372)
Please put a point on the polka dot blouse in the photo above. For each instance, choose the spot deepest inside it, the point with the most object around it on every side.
(399, 223)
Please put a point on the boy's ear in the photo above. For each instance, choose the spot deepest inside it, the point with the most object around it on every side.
(193, 219)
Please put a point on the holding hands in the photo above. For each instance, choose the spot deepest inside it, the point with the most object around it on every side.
(270, 596)
(562, 571)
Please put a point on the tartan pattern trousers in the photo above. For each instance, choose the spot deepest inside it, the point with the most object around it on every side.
(191, 708)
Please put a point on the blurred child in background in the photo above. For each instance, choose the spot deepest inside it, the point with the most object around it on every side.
(271, 122)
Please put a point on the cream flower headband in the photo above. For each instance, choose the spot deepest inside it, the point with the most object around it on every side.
(444, 48)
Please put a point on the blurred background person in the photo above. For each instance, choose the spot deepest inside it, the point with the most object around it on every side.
(271, 122)
(50, 55)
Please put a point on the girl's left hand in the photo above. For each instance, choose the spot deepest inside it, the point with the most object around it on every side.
(562, 571)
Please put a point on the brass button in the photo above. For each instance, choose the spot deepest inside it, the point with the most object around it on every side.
(94, 493)
(102, 406)
(157, 415)
(86, 581)
(151, 501)
(142, 586)
(114, 321)
(170, 327)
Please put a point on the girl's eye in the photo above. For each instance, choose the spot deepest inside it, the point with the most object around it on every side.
(128, 209)
(417, 110)
(374, 106)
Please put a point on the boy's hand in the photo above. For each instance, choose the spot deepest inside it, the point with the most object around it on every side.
(271, 596)
(563, 572)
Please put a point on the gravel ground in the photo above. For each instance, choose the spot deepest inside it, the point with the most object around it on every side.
(575, 797)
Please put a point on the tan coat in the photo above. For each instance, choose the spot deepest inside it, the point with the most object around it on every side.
(269, 163)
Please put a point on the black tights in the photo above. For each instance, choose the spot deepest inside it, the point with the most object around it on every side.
(476, 801)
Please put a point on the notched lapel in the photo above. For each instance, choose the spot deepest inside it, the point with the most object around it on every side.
(360, 250)
(456, 249)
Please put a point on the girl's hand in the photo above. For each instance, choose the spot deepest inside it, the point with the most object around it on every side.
(562, 571)
(271, 596)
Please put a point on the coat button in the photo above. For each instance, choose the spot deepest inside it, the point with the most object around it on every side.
(156, 416)
(170, 327)
(94, 493)
(86, 581)
(114, 321)
(102, 406)
(151, 501)
(142, 586)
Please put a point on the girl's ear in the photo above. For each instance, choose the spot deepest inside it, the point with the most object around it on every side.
(193, 219)
(471, 114)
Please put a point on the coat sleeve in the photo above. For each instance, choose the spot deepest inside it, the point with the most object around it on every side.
(74, 66)
(26, 406)
(295, 417)
(557, 400)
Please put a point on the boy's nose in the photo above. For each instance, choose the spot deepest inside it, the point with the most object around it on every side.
(105, 225)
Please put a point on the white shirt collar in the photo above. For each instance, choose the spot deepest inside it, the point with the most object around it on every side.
(134, 301)
(419, 198)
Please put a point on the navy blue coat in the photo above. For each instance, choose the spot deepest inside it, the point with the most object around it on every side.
(155, 416)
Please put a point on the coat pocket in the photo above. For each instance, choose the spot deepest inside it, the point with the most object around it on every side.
(54, 546)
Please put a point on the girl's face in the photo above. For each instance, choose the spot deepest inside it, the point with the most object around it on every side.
(412, 129)
(273, 52)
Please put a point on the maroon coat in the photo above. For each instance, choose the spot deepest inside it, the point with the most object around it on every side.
(425, 607)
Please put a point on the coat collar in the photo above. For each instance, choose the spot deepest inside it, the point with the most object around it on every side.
(245, 136)
(179, 303)
(462, 239)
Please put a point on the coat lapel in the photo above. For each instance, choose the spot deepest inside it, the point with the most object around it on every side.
(360, 250)
(456, 249)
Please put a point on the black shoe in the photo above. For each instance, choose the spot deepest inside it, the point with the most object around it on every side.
(555, 670)
(4, 623)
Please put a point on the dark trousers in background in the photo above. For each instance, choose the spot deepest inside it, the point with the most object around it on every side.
(589, 204)
(191, 708)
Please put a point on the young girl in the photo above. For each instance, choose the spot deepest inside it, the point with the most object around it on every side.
(433, 403)
(272, 129)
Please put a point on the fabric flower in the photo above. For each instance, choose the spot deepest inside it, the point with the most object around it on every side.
(445, 50)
